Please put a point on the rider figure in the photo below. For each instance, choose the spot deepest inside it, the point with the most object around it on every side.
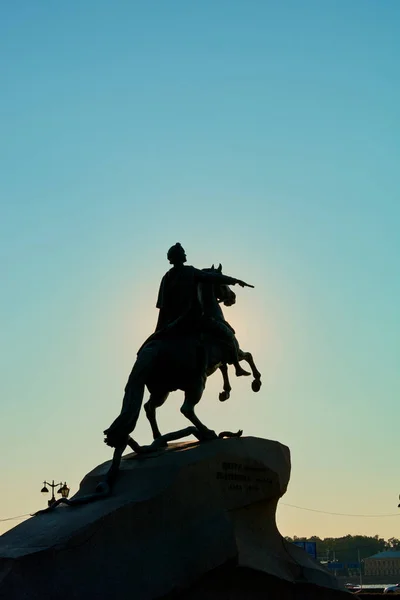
(179, 305)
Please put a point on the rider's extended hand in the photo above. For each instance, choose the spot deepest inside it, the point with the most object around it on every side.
(243, 283)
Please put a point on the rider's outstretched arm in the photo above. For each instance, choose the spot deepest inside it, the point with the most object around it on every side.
(218, 278)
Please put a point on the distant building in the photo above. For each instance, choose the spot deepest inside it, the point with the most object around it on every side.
(383, 563)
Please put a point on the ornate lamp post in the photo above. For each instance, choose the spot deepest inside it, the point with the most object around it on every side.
(63, 490)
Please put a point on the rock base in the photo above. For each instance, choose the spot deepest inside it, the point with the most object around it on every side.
(174, 517)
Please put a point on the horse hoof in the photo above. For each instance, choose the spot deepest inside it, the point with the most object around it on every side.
(224, 396)
(256, 385)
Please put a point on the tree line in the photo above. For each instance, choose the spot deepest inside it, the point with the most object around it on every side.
(348, 548)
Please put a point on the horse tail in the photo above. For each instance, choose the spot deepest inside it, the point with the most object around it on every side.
(118, 432)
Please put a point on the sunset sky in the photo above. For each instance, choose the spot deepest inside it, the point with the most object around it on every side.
(260, 134)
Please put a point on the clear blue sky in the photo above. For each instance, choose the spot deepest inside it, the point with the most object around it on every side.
(260, 134)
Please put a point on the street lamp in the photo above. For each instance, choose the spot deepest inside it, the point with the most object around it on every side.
(63, 490)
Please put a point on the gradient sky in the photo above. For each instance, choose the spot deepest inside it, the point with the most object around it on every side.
(260, 134)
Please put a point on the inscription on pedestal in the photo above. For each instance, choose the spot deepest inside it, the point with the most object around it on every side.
(242, 477)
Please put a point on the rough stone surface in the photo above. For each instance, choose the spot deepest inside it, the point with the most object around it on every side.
(232, 582)
(173, 517)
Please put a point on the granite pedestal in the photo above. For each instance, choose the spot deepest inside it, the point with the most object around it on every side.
(173, 517)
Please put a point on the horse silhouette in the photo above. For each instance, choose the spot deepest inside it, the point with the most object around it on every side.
(180, 361)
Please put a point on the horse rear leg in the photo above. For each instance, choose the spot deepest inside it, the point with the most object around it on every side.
(247, 356)
(155, 401)
(192, 397)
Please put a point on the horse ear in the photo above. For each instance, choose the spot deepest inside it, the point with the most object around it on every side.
(220, 268)
(212, 267)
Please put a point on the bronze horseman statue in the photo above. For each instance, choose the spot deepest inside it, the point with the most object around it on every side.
(217, 497)
(191, 341)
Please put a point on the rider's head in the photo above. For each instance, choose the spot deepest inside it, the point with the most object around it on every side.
(176, 255)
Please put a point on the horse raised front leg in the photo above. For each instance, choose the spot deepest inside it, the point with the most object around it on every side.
(227, 386)
(192, 397)
(256, 383)
(155, 401)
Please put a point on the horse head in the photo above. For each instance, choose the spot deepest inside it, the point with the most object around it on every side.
(223, 293)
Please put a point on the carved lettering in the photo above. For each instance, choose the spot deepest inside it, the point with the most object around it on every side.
(231, 466)
(243, 478)
(254, 469)
(232, 476)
